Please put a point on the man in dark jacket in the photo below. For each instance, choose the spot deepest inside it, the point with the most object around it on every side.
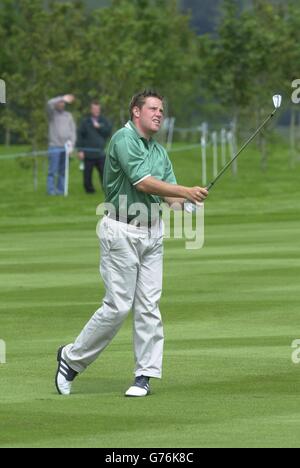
(91, 139)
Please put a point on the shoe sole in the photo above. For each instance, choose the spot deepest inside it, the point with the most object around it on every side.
(138, 396)
(59, 353)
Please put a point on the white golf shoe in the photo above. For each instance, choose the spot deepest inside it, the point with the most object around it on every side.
(64, 375)
(140, 388)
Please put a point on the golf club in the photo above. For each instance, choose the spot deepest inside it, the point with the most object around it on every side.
(277, 100)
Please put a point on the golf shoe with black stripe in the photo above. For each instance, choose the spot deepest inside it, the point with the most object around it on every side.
(140, 388)
(64, 375)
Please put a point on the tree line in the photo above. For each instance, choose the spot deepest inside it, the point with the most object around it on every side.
(51, 48)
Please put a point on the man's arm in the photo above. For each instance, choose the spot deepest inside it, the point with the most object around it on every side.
(105, 128)
(167, 191)
(68, 98)
(52, 103)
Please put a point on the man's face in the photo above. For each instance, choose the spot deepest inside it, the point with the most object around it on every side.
(60, 106)
(150, 117)
(95, 110)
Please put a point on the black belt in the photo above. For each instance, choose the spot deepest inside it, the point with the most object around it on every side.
(132, 220)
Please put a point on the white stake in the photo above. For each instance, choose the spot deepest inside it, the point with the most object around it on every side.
(68, 150)
(170, 133)
(215, 153)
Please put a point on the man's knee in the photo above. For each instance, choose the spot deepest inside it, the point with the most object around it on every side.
(115, 311)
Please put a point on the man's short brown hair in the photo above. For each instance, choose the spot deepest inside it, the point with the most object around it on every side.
(139, 99)
(95, 102)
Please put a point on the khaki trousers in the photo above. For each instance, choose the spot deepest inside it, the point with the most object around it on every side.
(131, 268)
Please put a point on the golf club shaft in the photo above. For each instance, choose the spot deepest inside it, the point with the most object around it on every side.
(240, 151)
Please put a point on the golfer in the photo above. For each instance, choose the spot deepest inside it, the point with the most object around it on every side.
(139, 173)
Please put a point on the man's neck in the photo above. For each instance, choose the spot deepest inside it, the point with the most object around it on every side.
(143, 134)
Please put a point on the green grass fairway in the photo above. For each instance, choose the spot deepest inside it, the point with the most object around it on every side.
(231, 312)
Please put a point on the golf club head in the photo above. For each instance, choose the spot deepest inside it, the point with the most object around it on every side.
(277, 100)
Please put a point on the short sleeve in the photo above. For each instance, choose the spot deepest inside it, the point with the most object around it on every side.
(169, 175)
(133, 160)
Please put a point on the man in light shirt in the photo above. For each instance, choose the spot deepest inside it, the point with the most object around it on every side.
(62, 130)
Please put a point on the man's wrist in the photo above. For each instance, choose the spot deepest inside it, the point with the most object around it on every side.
(184, 192)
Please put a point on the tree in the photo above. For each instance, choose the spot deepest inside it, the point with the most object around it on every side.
(109, 53)
(43, 57)
(289, 55)
(10, 69)
(246, 59)
(154, 47)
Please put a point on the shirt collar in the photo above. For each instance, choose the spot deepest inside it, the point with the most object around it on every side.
(132, 127)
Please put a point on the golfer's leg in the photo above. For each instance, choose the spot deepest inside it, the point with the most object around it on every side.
(61, 175)
(148, 328)
(119, 272)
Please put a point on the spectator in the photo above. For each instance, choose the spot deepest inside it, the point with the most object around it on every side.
(91, 139)
(62, 129)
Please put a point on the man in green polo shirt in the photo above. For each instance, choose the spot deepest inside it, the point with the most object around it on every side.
(138, 175)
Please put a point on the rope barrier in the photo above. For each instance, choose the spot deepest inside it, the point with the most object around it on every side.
(226, 142)
(33, 154)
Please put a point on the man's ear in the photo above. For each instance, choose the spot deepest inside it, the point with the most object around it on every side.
(136, 111)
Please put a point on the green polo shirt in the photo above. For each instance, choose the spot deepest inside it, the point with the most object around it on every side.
(130, 159)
